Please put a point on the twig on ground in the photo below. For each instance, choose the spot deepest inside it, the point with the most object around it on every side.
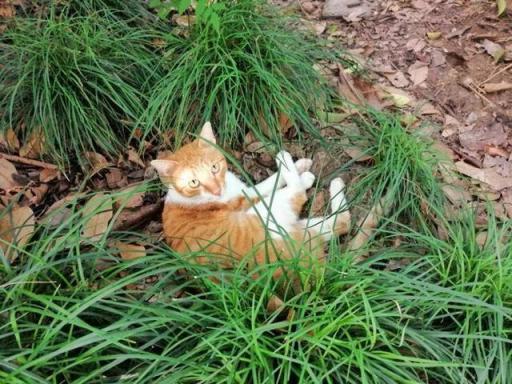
(24, 160)
(129, 219)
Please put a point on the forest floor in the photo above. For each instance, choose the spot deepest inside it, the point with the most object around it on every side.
(449, 64)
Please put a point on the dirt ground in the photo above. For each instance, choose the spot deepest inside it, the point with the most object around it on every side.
(447, 61)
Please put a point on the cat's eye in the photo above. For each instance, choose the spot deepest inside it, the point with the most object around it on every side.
(215, 168)
(194, 183)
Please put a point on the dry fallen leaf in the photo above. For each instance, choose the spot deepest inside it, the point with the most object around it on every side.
(398, 79)
(33, 148)
(48, 174)
(16, 228)
(419, 73)
(9, 140)
(97, 212)
(502, 6)
(7, 170)
(134, 157)
(357, 154)
(284, 123)
(456, 194)
(97, 161)
(399, 97)
(130, 251)
(493, 49)
(488, 176)
(129, 197)
(434, 35)
(496, 87)
(428, 109)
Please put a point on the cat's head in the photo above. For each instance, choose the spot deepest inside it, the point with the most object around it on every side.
(197, 169)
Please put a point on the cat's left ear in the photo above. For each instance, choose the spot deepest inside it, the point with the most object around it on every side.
(207, 136)
(164, 167)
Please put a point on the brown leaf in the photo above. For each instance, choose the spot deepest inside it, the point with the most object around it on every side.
(134, 157)
(274, 304)
(496, 87)
(9, 140)
(487, 175)
(398, 79)
(130, 251)
(428, 109)
(285, 123)
(457, 195)
(97, 161)
(48, 174)
(98, 212)
(482, 135)
(6, 10)
(419, 73)
(493, 49)
(7, 170)
(129, 197)
(357, 154)
(114, 177)
(39, 193)
(16, 228)
(33, 148)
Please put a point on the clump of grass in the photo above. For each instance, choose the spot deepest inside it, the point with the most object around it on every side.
(78, 81)
(403, 174)
(474, 261)
(64, 319)
(241, 75)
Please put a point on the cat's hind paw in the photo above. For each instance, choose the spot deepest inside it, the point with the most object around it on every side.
(337, 194)
(303, 165)
(307, 179)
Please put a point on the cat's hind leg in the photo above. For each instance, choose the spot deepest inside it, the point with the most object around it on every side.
(281, 210)
(276, 181)
(338, 222)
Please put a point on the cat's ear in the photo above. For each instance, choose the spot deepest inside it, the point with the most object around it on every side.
(164, 167)
(207, 137)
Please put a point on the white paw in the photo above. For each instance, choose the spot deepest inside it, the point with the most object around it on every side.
(288, 170)
(303, 165)
(285, 160)
(336, 190)
(307, 179)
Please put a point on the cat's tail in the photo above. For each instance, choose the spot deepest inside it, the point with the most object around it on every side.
(338, 222)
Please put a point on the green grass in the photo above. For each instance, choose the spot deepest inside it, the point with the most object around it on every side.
(444, 317)
(70, 308)
(241, 77)
(75, 81)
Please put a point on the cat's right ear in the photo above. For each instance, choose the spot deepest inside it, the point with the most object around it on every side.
(164, 167)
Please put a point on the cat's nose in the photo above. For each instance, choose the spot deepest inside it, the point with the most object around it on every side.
(214, 189)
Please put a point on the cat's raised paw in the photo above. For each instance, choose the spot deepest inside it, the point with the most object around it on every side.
(336, 190)
(307, 179)
(285, 160)
(303, 165)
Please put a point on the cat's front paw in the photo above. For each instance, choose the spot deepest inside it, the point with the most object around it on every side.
(303, 165)
(288, 169)
(307, 179)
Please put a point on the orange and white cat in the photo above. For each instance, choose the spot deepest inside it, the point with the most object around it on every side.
(210, 211)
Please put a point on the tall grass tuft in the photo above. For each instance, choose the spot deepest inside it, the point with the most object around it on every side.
(72, 312)
(242, 74)
(404, 174)
(78, 83)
